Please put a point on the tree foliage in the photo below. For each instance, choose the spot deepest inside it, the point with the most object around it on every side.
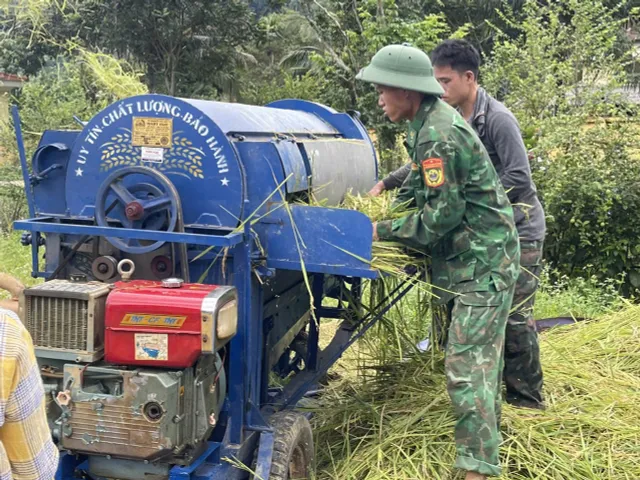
(561, 77)
(558, 66)
(331, 41)
(185, 46)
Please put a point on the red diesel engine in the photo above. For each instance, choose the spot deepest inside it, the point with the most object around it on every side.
(167, 324)
(156, 389)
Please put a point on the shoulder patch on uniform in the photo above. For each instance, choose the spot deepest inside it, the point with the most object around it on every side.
(433, 172)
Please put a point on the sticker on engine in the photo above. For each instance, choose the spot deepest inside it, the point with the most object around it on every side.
(152, 132)
(169, 321)
(152, 346)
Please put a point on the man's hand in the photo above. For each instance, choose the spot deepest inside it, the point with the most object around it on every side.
(375, 232)
(11, 285)
(377, 189)
(14, 287)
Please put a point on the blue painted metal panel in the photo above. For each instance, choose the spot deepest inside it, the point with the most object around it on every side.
(212, 455)
(295, 168)
(265, 456)
(44, 226)
(198, 158)
(265, 173)
(233, 117)
(328, 240)
(50, 161)
(240, 369)
(67, 466)
(224, 470)
(342, 122)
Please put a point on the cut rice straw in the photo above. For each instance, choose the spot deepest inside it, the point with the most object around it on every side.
(399, 423)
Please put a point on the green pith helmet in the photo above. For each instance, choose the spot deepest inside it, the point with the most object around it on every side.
(402, 66)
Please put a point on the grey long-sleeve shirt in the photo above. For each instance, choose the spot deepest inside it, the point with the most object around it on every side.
(499, 131)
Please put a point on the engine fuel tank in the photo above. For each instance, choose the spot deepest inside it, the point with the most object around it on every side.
(167, 324)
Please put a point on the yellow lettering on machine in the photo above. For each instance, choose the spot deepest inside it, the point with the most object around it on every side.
(166, 321)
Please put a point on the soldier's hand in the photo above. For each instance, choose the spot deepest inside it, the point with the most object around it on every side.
(375, 232)
(377, 189)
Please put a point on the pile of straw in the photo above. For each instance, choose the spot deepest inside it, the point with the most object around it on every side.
(399, 424)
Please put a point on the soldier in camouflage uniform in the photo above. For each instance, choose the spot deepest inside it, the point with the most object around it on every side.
(464, 221)
(456, 64)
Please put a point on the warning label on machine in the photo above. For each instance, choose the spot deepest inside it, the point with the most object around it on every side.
(152, 132)
(153, 155)
(152, 346)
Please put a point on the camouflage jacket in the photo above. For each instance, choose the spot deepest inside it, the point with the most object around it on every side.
(463, 217)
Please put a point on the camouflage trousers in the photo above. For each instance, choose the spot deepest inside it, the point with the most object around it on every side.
(522, 368)
(473, 367)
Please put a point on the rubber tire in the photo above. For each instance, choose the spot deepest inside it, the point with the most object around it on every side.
(292, 442)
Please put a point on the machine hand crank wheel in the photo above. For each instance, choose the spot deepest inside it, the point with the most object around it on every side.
(144, 206)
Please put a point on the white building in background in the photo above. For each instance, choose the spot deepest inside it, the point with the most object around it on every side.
(8, 83)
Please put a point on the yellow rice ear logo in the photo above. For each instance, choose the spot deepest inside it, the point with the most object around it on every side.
(433, 172)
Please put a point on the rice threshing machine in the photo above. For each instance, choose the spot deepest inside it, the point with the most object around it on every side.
(184, 273)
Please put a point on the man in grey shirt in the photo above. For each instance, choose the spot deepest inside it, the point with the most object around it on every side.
(456, 65)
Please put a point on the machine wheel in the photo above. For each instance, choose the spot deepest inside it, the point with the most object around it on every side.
(292, 446)
(142, 206)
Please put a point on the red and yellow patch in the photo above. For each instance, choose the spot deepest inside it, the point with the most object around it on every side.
(433, 169)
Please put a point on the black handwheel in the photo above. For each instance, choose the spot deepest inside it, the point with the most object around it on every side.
(292, 446)
(144, 206)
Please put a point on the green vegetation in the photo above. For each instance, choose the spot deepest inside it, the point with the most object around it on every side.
(558, 65)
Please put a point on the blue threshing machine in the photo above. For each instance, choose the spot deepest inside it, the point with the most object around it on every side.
(183, 269)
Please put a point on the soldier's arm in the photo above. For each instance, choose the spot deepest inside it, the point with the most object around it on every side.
(445, 201)
(507, 140)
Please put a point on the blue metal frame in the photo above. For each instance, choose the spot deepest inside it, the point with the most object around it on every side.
(23, 161)
(46, 225)
(280, 239)
(246, 417)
